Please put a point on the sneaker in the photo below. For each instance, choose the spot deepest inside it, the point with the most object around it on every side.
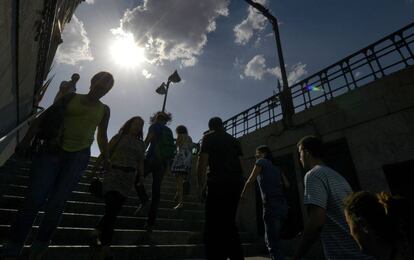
(95, 238)
(141, 207)
(179, 206)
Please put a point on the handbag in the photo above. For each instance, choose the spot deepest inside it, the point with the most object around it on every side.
(96, 186)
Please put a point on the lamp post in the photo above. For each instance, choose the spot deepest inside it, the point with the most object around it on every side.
(163, 89)
(285, 95)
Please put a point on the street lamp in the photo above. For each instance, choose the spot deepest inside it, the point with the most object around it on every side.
(163, 89)
(286, 95)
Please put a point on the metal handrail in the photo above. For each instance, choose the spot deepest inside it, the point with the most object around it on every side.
(17, 128)
(387, 55)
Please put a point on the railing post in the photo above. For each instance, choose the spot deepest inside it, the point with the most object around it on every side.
(286, 95)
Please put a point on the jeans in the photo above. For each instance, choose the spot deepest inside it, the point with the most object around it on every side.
(113, 205)
(52, 180)
(274, 213)
(158, 170)
(221, 235)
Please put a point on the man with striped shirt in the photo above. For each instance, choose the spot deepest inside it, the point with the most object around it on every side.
(325, 190)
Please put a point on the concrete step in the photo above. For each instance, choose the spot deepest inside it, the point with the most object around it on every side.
(20, 190)
(177, 234)
(82, 236)
(7, 216)
(131, 201)
(134, 252)
(99, 209)
(83, 185)
(21, 176)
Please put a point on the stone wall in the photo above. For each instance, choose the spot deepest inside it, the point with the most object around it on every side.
(376, 120)
(30, 18)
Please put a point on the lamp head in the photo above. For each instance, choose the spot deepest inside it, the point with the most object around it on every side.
(162, 90)
(175, 78)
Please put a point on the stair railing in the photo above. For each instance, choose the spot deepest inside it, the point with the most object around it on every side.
(22, 124)
(388, 55)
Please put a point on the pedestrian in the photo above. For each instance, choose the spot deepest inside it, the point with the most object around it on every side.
(381, 224)
(67, 87)
(55, 173)
(325, 190)
(222, 153)
(181, 166)
(272, 183)
(158, 159)
(127, 164)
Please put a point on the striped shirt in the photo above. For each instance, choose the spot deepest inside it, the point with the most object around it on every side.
(327, 189)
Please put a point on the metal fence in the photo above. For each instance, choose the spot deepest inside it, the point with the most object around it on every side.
(390, 54)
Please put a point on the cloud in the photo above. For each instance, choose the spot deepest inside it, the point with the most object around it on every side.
(173, 29)
(90, 2)
(255, 22)
(256, 68)
(75, 47)
(146, 74)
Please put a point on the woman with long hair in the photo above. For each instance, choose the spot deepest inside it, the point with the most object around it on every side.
(181, 166)
(381, 224)
(127, 168)
(271, 182)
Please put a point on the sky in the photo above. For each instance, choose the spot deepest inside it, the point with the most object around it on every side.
(223, 50)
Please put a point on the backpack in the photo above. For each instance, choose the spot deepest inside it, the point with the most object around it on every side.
(165, 147)
(50, 133)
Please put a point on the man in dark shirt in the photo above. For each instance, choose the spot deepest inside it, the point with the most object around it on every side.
(222, 153)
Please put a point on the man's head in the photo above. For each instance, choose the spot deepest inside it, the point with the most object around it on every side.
(75, 77)
(215, 124)
(101, 83)
(310, 149)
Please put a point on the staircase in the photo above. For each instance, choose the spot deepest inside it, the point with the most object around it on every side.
(177, 235)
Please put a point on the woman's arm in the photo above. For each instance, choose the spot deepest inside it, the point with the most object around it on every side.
(139, 179)
(256, 171)
(148, 139)
(100, 157)
(102, 137)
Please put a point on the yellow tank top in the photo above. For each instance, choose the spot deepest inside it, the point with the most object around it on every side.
(80, 123)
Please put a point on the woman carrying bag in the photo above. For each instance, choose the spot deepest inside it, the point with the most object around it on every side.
(127, 170)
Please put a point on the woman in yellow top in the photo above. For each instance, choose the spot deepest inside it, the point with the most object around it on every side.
(55, 173)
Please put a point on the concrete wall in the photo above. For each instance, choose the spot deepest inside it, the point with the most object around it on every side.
(30, 18)
(376, 120)
(29, 15)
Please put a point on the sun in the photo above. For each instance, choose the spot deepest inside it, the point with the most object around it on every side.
(125, 52)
